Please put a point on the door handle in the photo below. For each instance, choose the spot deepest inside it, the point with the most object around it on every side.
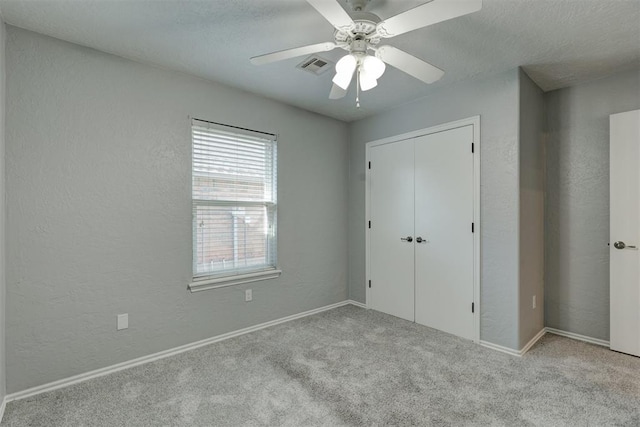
(621, 245)
(407, 239)
(421, 240)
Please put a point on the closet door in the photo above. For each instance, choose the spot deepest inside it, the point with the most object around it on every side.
(624, 227)
(444, 238)
(391, 199)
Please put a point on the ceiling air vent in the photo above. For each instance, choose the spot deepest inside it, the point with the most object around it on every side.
(314, 64)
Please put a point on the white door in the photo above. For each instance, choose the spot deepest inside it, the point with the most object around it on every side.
(624, 162)
(391, 204)
(443, 230)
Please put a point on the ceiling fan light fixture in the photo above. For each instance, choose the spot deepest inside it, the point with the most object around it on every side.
(345, 68)
(366, 80)
(346, 65)
(343, 80)
(373, 66)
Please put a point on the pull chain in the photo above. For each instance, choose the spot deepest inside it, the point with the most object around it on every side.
(358, 89)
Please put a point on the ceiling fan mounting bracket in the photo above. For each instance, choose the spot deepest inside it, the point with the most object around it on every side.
(358, 5)
(368, 17)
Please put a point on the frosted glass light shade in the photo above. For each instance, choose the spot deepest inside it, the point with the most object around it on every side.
(373, 66)
(344, 71)
(343, 80)
(346, 64)
(366, 80)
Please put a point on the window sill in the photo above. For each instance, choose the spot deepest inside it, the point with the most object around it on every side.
(223, 282)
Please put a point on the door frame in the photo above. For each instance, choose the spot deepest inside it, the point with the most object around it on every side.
(475, 122)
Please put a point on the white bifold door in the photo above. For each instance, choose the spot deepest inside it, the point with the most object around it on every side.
(421, 241)
(392, 229)
(624, 256)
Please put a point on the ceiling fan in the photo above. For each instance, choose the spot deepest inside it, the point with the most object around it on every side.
(361, 35)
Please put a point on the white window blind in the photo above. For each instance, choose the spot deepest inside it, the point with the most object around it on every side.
(234, 194)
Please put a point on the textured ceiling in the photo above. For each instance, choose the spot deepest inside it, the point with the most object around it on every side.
(558, 42)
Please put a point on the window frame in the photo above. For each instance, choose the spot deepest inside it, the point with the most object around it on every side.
(212, 280)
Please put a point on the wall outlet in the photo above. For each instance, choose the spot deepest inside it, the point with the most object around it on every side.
(123, 321)
(248, 295)
(534, 304)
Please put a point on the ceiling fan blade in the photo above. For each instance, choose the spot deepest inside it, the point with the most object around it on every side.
(333, 12)
(337, 92)
(292, 53)
(427, 14)
(409, 64)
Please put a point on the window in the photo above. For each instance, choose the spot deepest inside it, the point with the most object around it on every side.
(234, 193)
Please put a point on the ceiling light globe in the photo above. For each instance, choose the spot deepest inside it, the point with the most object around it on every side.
(373, 66)
(343, 79)
(367, 81)
(346, 65)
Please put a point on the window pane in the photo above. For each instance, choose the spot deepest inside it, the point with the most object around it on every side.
(241, 169)
(232, 238)
(234, 202)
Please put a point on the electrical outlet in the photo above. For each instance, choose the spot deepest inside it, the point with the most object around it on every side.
(248, 295)
(123, 321)
(534, 304)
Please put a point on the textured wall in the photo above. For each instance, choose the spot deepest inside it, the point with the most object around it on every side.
(2, 213)
(531, 237)
(495, 100)
(577, 201)
(99, 210)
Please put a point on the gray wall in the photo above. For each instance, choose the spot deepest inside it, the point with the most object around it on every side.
(495, 99)
(531, 155)
(99, 210)
(577, 201)
(2, 215)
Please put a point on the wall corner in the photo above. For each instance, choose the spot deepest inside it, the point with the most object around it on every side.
(531, 123)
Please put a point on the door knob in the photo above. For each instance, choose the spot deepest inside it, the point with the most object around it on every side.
(407, 239)
(420, 240)
(621, 245)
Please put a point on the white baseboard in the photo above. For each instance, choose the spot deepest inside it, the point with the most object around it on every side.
(3, 405)
(539, 335)
(500, 348)
(357, 303)
(65, 382)
(578, 337)
(533, 341)
(517, 353)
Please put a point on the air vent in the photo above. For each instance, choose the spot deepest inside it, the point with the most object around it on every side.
(314, 64)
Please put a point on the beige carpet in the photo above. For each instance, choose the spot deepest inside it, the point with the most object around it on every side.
(350, 366)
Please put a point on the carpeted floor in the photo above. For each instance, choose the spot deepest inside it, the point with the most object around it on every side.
(351, 366)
